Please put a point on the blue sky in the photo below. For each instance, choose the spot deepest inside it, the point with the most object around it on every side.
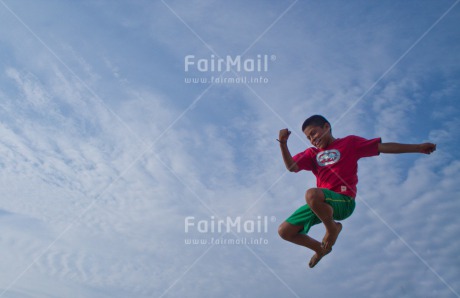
(106, 150)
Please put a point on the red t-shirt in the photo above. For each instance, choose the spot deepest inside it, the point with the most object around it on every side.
(336, 167)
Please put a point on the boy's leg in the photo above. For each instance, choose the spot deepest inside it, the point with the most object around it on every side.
(291, 233)
(316, 200)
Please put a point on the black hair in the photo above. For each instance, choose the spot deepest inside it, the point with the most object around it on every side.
(315, 120)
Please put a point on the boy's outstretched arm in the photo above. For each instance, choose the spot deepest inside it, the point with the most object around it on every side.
(426, 148)
(291, 165)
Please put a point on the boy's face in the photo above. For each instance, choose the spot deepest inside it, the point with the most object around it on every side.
(320, 137)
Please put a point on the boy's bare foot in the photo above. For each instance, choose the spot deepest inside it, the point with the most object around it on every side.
(331, 236)
(317, 257)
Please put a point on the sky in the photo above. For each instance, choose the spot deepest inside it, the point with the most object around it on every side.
(135, 163)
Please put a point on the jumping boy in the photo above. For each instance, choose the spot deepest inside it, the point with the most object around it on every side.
(334, 162)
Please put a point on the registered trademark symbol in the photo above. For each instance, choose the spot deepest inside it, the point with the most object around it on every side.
(273, 219)
(273, 57)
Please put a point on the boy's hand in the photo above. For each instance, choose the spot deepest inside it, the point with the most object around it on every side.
(284, 135)
(427, 148)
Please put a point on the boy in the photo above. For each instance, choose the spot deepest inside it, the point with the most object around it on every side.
(334, 162)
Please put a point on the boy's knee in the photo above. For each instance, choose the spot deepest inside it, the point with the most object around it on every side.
(284, 233)
(314, 194)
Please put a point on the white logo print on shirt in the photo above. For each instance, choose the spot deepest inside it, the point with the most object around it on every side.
(328, 157)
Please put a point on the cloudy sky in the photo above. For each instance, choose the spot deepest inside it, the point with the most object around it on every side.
(123, 146)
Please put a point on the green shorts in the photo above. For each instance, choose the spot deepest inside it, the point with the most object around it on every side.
(342, 205)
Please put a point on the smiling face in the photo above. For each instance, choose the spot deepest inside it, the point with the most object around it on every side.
(320, 137)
